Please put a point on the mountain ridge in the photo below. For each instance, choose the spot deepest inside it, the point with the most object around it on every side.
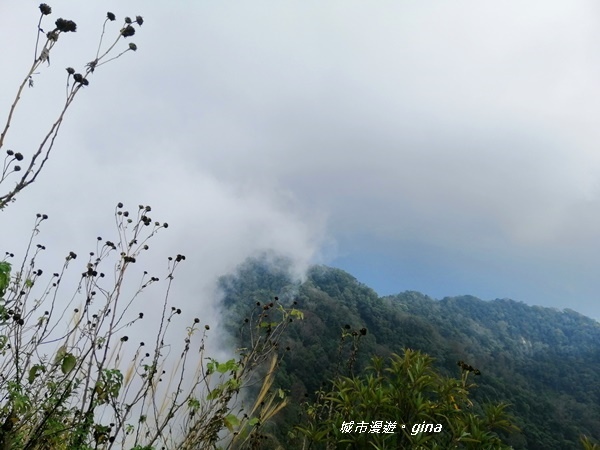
(544, 362)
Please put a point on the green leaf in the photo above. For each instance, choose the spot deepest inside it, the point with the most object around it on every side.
(297, 314)
(4, 276)
(227, 367)
(214, 393)
(60, 354)
(68, 363)
(3, 341)
(33, 372)
(231, 421)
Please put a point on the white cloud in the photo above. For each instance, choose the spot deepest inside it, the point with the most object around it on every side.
(460, 126)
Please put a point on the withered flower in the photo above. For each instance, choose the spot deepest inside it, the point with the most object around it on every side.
(45, 9)
(128, 31)
(66, 25)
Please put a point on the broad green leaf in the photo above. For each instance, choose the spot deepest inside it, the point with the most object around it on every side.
(227, 367)
(231, 421)
(68, 363)
(33, 372)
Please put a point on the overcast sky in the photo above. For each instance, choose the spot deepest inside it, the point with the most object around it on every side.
(444, 147)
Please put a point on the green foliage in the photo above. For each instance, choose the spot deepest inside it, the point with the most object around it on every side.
(408, 392)
(543, 362)
(5, 268)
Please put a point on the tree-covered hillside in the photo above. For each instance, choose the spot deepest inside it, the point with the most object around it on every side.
(544, 362)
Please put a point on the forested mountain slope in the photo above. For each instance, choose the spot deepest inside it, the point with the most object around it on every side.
(544, 362)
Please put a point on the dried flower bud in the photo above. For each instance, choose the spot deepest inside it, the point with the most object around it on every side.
(10, 152)
(128, 31)
(132, 46)
(45, 9)
(70, 70)
(139, 20)
(110, 16)
(65, 25)
(78, 77)
(17, 168)
(85, 82)
(127, 19)
(18, 156)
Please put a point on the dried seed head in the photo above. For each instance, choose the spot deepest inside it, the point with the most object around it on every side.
(45, 9)
(110, 16)
(128, 31)
(65, 25)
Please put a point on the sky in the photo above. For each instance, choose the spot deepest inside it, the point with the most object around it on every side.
(444, 147)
